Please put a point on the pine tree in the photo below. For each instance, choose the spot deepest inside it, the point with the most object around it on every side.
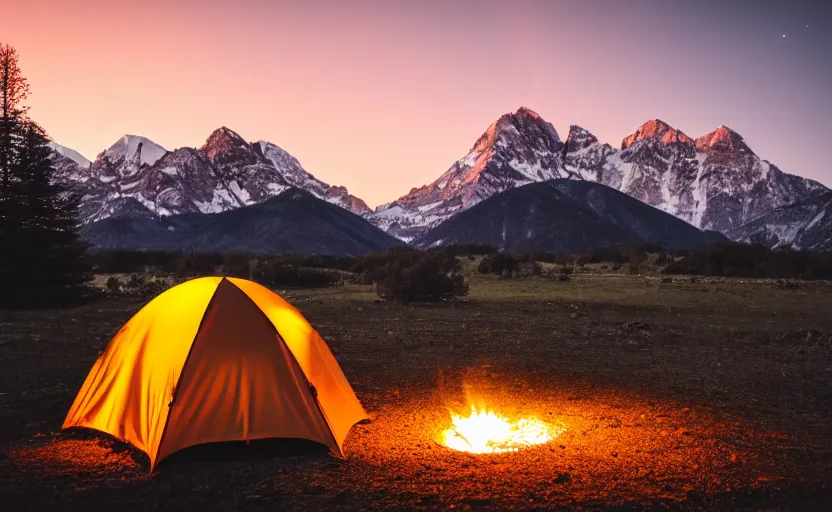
(42, 258)
(13, 90)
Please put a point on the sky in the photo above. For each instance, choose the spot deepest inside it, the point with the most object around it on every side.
(383, 96)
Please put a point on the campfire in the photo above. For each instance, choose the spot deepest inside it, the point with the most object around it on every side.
(485, 431)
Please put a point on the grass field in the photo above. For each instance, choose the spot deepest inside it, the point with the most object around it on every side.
(715, 394)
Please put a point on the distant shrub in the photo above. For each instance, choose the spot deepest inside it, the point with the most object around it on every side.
(276, 274)
(466, 250)
(732, 259)
(561, 274)
(501, 264)
(534, 268)
(785, 284)
(191, 264)
(372, 263)
(113, 284)
(636, 257)
(420, 277)
(140, 285)
(238, 265)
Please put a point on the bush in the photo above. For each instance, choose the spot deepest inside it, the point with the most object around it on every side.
(276, 274)
(787, 285)
(501, 264)
(534, 268)
(466, 250)
(420, 277)
(732, 259)
(238, 265)
(635, 259)
(141, 286)
(113, 284)
(370, 264)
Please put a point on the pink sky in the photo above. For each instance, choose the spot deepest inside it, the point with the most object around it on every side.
(384, 96)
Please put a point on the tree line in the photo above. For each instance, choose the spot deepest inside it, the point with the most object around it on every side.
(42, 258)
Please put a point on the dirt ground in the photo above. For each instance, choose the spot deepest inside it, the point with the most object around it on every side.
(681, 395)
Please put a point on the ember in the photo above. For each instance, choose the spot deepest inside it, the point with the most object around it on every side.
(487, 432)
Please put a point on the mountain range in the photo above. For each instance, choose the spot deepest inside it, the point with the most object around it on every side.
(136, 177)
(714, 182)
(294, 221)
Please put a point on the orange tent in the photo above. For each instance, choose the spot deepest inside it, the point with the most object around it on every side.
(216, 359)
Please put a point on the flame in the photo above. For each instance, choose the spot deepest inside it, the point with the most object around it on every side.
(487, 432)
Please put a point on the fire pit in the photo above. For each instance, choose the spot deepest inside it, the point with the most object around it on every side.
(485, 431)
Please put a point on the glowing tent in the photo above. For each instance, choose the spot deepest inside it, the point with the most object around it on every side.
(216, 359)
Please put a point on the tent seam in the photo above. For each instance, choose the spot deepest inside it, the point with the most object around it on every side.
(297, 364)
(182, 371)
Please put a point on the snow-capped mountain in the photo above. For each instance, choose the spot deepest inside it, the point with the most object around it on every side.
(715, 182)
(586, 158)
(70, 154)
(804, 225)
(516, 149)
(136, 177)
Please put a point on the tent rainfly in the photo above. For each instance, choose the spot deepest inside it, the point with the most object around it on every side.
(216, 359)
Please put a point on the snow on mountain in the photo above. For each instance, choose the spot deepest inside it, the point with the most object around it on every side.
(516, 149)
(586, 158)
(735, 185)
(715, 182)
(803, 225)
(71, 154)
(137, 177)
(657, 163)
(133, 147)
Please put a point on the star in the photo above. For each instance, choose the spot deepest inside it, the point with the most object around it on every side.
(784, 35)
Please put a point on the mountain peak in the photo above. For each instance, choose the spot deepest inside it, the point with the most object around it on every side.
(222, 140)
(524, 121)
(524, 111)
(71, 154)
(656, 129)
(134, 147)
(579, 137)
(723, 140)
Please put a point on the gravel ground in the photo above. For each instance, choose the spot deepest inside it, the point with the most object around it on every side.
(658, 411)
